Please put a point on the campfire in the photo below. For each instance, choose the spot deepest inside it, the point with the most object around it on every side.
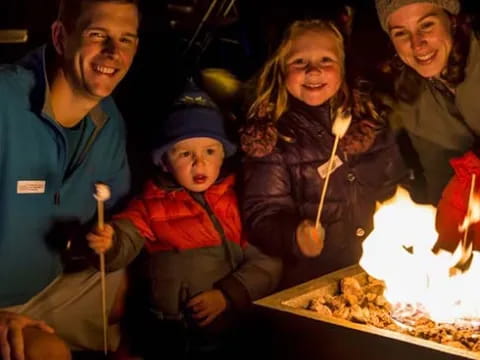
(399, 252)
(410, 288)
(402, 292)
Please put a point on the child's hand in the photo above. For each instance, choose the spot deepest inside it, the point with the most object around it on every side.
(207, 306)
(101, 241)
(310, 240)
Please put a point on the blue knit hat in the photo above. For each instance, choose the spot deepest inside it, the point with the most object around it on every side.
(193, 115)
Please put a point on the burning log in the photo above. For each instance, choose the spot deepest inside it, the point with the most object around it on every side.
(367, 305)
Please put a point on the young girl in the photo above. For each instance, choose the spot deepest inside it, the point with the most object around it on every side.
(288, 141)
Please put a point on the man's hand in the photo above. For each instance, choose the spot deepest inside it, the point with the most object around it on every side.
(101, 241)
(11, 334)
(310, 240)
(207, 306)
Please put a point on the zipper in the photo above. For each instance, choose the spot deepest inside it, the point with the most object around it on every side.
(77, 160)
(56, 198)
(80, 157)
(217, 225)
(60, 141)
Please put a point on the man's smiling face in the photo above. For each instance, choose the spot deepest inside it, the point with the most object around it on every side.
(99, 50)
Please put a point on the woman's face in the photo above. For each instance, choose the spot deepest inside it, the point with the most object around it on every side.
(314, 67)
(421, 34)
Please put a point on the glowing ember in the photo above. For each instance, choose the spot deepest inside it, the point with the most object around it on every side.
(399, 252)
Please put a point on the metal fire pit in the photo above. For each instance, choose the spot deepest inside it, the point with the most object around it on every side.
(305, 334)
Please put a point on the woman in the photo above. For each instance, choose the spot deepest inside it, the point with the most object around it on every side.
(437, 82)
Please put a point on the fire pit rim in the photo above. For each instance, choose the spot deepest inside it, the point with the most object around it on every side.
(279, 301)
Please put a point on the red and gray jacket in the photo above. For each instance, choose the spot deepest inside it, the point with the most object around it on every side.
(194, 242)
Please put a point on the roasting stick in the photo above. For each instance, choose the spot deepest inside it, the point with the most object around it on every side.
(466, 245)
(102, 194)
(339, 128)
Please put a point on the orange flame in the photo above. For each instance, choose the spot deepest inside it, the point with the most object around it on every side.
(473, 213)
(399, 252)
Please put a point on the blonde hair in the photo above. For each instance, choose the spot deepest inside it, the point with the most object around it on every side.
(271, 95)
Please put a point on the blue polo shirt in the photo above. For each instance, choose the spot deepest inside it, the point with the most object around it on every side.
(39, 186)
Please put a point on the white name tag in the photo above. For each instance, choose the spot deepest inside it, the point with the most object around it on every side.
(322, 169)
(31, 186)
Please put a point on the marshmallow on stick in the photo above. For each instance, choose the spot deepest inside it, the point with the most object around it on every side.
(341, 123)
(339, 128)
(102, 194)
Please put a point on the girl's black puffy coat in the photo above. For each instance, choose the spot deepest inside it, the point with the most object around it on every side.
(283, 188)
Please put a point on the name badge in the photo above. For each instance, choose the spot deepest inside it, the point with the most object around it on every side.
(322, 169)
(31, 186)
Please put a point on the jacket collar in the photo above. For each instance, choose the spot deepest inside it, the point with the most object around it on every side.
(36, 61)
(319, 110)
(473, 56)
(313, 119)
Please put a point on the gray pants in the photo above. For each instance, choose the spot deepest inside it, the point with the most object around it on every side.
(72, 305)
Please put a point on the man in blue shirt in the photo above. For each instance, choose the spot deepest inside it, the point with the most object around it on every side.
(60, 133)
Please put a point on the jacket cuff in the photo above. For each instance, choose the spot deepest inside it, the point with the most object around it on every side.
(126, 245)
(296, 252)
(291, 250)
(112, 254)
(236, 294)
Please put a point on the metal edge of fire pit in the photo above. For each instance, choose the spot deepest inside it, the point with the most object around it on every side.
(291, 301)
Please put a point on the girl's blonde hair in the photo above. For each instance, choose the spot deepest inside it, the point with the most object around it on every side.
(271, 95)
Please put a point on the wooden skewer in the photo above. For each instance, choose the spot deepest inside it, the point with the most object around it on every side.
(100, 211)
(325, 184)
(339, 128)
(469, 212)
(466, 245)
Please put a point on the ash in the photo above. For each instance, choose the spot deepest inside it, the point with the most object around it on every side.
(367, 305)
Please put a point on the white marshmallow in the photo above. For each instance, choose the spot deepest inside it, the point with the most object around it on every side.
(341, 123)
(102, 192)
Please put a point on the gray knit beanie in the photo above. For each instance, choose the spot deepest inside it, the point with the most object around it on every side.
(386, 7)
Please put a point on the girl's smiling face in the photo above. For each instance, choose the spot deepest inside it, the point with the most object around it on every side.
(313, 67)
(195, 162)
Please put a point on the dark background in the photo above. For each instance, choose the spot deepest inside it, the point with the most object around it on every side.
(239, 43)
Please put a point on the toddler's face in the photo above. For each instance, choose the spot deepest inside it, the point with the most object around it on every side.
(313, 67)
(195, 163)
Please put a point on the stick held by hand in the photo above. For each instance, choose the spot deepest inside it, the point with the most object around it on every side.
(102, 194)
(339, 128)
(466, 244)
